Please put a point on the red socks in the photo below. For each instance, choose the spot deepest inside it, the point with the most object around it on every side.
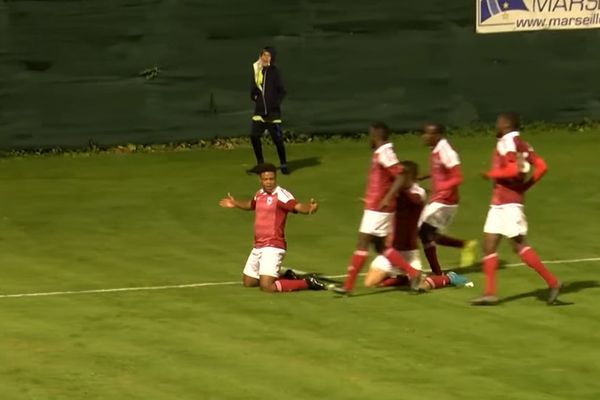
(431, 254)
(447, 241)
(530, 258)
(356, 263)
(397, 261)
(437, 281)
(400, 280)
(490, 264)
(290, 285)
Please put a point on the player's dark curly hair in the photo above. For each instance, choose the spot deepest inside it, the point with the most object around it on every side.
(513, 118)
(266, 167)
(439, 128)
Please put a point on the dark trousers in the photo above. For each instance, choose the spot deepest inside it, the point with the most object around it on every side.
(258, 128)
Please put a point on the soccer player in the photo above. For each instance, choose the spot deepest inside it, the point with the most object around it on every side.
(383, 183)
(271, 205)
(409, 205)
(511, 162)
(267, 93)
(446, 177)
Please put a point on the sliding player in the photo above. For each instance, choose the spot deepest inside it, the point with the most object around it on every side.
(410, 203)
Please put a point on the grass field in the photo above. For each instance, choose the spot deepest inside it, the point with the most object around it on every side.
(113, 221)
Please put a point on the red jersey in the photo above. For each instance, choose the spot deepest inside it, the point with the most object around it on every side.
(511, 161)
(445, 174)
(384, 169)
(406, 221)
(271, 211)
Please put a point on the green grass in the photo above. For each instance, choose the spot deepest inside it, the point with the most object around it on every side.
(152, 219)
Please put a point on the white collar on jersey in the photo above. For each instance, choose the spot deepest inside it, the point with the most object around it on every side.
(438, 147)
(383, 147)
(275, 191)
(510, 135)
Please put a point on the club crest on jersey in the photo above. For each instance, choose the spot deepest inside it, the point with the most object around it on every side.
(269, 200)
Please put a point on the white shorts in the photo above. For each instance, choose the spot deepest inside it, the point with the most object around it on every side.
(438, 215)
(264, 261)
(376, 223)
(506, 220)
(412, 257)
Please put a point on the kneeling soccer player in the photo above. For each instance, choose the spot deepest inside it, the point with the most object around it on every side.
(271, 205)
(410, 203)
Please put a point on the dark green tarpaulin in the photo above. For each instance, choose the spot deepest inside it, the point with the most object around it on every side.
(69, 70)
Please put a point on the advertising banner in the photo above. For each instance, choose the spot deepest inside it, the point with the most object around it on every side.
(495, 16)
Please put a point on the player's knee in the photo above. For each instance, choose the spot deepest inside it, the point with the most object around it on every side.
(369, 283)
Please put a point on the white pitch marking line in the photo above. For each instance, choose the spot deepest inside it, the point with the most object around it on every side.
(205, 284)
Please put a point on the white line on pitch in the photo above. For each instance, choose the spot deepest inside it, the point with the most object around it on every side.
(205, 284)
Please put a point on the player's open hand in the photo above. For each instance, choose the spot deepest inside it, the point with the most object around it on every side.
(227, 202)
(313, 206)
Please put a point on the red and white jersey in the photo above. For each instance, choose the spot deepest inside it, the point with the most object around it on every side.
(382, 173)
(510, 148)
(410, 204)
(271, 211)
(444, 165)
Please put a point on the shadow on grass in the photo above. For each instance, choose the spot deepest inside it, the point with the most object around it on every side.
(541, 294)
(295, 165)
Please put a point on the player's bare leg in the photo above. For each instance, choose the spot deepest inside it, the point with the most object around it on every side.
(357, 262)
(375, 277)
(489, 266)
(531, 259)
(431, 237)
(428, 235)
(248, 281)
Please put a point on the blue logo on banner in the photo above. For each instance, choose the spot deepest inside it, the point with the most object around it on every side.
(489, 8)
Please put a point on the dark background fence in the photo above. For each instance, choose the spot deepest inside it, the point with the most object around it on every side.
(70, 70)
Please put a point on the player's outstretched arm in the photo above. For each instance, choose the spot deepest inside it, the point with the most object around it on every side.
(307, 208)
(231, 202)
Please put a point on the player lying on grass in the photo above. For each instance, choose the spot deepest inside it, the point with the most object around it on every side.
(271, 205)
(511, 162)
(446, 177)
(383, 183)
(409, 205)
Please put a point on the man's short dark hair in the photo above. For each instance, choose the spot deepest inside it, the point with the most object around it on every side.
(513, 119)
(411, 168)
(439, 128)
(382, 128)
(266, 167)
